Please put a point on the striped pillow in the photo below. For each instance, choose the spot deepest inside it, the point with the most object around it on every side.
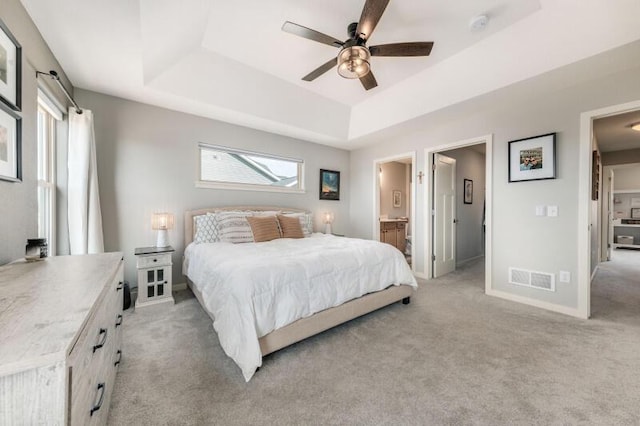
(290, 227)
(264, 228)
(233, 227)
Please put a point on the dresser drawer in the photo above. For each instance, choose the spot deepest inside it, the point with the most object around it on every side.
(387, 225)
(153, 260)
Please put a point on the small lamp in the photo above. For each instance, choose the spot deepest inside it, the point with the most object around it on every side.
(161, 222)
(328, 220)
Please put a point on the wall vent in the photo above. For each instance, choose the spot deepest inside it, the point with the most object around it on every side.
(533, 279)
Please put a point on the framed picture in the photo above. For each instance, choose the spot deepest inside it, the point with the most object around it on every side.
(10, 146)
(532, 158)
(397, 198)
(635, 213)
(595, 175)
(468, 191)
(10, 69)
(329, 185)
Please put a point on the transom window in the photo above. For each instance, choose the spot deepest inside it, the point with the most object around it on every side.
(222, 167)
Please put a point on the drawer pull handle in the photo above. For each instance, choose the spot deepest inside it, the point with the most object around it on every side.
(101, 387)
(120, 286)
(118, 320)
(104, 339)
(119, 353)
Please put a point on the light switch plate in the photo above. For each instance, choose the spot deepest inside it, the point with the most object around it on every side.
(552, 211)
(541, 210)
(565, 276)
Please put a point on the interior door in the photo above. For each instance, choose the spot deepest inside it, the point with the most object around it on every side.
(444, 218)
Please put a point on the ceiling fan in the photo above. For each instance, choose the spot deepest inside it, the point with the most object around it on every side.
(353, 59)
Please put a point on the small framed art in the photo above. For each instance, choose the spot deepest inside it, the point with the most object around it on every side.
(397, 198)
(329, 185)
(10, 69)
(10, 146)
(532, 158)
(468, 191)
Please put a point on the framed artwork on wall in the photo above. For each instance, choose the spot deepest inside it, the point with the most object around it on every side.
(468, 191)
(397, 198)
(329, 185)
(10, 145)
(595, 175)
(10, 69)
(532, 158)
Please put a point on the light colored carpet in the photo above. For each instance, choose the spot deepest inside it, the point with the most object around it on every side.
(453, 356)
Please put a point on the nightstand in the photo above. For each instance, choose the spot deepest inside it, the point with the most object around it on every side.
(154, 275)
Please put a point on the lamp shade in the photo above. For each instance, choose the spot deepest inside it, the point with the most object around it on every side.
(162, 221)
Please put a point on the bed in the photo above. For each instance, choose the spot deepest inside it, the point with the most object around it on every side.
(265, 296)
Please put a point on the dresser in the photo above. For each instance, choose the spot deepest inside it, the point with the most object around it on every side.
(61, 339)
(394, 232)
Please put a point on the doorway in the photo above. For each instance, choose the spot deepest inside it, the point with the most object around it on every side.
(394, 203)
(459, 223)
(593, 245)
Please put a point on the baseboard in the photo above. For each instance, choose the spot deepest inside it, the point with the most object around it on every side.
(471, 259)
(420, 275)
(593, 274)
(180, 286)
(574, 312)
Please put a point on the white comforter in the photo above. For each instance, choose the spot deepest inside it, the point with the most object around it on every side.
(254, 288)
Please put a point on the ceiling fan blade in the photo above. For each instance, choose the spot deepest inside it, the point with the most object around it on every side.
(321, 70)
(368, 81)
(418, 48)
(310, 34)
(371, 14)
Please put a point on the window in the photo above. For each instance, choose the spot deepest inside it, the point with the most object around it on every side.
(47, 121)
(230, 168)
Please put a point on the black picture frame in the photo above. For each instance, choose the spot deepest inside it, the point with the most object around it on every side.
(329, 185)
(10, 145)
(468, 191)
(10, 51)
(532, 158)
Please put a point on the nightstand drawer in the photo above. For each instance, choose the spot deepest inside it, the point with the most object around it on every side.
(153, 260)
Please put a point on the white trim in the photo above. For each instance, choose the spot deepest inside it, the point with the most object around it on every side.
(488, 141)
(584, 200)
(247, 187)
(535, 302)
(49, 102)
(595, 271)
(376, 199)
(420, 275)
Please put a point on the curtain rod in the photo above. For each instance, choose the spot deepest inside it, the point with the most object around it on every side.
(54, 76)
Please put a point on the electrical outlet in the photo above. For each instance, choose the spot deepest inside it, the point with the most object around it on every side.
(565, 276)
(541, 210)
(552, 211)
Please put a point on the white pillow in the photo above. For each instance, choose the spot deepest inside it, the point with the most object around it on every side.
(306, 221)
(233, 226)
(206, 229)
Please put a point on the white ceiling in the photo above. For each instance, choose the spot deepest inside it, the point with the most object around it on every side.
(615, 133)
(231, 61)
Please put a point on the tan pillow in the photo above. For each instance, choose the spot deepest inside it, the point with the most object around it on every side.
(290, 226)
(264, 228)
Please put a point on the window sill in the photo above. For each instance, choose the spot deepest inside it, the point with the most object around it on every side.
(247, 187)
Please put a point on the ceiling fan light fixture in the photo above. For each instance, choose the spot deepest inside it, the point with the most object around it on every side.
(636, 127)
(353, 62)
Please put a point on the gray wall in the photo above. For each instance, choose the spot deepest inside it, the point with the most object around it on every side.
(18, 202)
(628, 156)
(552, 102)
(148, 161)
(470, 164)
(627, 177)
(393, 178)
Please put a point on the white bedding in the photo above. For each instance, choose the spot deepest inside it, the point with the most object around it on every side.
(254, 288)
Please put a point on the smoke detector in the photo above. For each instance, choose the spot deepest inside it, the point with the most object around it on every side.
(478, 23)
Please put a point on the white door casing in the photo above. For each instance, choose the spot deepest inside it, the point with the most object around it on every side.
(444, 242)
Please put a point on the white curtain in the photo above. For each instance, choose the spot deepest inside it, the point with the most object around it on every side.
(83, 209)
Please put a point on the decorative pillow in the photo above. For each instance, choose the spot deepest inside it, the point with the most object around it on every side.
(290, 226)
(264, 228)
(206, 229)
(233, 226)
(306, 221)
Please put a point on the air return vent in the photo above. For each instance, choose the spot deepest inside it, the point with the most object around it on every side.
(539, 280)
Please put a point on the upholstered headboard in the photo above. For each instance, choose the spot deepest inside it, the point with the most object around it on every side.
(189, 215)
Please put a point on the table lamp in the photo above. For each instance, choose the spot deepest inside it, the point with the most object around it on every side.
(328, 220)
(162, 222)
